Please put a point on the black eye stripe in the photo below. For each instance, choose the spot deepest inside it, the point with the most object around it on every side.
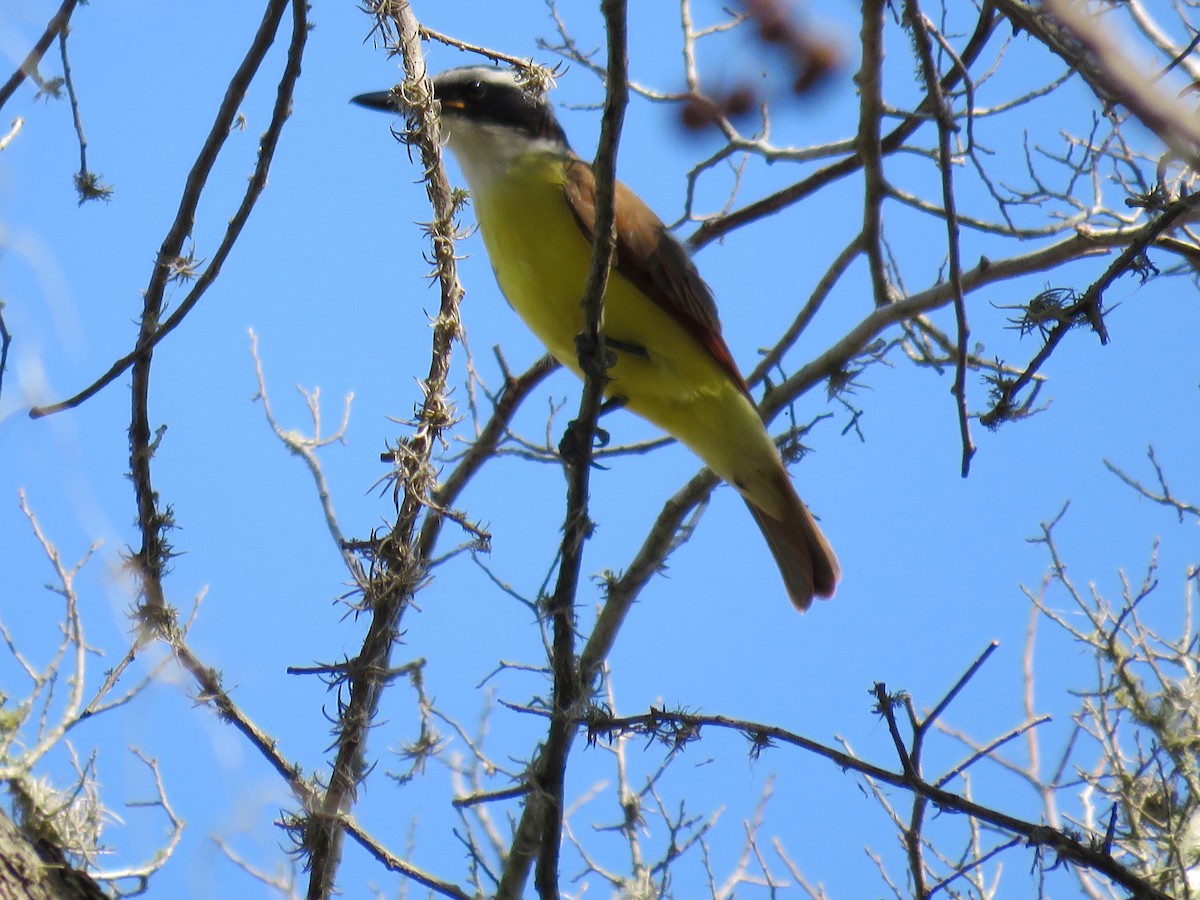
(487, 103)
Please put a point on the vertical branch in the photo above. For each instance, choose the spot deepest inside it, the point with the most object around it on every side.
(913, 845)
(149, 564)
(946, 126)
(539, 831)
(914, 838)
(401, 565)
(594, 360)
(870, 90)
(87, 182)
(150, 561)
(690, 73)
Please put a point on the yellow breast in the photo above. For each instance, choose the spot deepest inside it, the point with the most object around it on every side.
(541, 258)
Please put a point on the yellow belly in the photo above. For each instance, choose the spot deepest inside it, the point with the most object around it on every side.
(541, 260)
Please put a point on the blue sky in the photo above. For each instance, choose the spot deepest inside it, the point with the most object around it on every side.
(329, 275)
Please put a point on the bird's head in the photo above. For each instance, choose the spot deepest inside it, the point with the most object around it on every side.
(487, 113)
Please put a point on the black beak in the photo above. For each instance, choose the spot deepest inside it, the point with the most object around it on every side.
(384, 101)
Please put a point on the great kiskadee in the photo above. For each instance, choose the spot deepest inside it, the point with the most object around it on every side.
(535, 203)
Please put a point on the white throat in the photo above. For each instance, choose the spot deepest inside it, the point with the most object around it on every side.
(486, 153)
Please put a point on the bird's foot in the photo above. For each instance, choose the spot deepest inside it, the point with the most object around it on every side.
(571, 447)
(596, 357)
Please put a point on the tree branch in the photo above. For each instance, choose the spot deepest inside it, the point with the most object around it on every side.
(172, 262)
(56, 25)
(675, 729)
(402, 568)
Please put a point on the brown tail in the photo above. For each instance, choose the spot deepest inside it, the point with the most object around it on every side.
(805, 559)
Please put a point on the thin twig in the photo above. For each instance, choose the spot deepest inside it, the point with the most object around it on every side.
(172, 262)
(87, 182)
(516, 389)
(774, 203)
(1116, 77)
(943, 116)
(959, 685)
(29, 65)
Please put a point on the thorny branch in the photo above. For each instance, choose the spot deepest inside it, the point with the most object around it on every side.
(1089, 306)
(399, 568)
(151, 560)
(677, 729)
(157, 619)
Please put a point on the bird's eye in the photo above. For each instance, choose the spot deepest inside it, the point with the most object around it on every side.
(476, 90)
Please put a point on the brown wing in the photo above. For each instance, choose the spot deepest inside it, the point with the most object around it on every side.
(649, 256)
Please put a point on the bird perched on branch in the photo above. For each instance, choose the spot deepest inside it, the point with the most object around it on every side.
(535, 202)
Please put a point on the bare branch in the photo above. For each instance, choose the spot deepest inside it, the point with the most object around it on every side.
(167, 265)
(672, 728)
(29, 66)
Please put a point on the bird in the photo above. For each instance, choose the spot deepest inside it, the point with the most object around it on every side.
(535, 202)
